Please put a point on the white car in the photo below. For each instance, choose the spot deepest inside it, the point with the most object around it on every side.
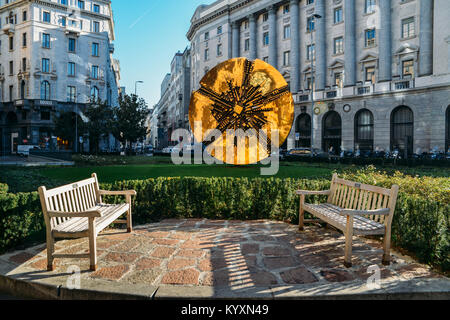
(25, 150)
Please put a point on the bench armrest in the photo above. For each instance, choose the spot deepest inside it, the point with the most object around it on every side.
(87, 214)
(312, 193)
(379, 212)
(118, 193)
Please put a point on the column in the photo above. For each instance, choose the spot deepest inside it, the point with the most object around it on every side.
(350, 43)
(385, 42)
(235, 25)
(426, 38)
(295, 46)
(273, 50)
(320, 45)
(253, 37)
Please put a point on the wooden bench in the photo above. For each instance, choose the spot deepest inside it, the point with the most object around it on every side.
(77, 211)
(355, 209)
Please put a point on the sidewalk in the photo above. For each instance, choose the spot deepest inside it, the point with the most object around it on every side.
(32, 161)
(217, 260)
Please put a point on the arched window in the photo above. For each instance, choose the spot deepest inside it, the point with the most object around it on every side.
(447, 130)
(364, 130)
(402, 130)
(332, 132)
(303, 131)
(45, 90)
(94, 94)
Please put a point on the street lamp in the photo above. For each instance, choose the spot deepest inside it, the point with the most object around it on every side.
(135, 86)
(314, 17)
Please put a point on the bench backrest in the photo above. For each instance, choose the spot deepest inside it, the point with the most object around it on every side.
(76, 197)
(357, 196)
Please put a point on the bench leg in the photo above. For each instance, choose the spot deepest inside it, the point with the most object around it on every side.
(348, 242)
(50, 251)
(387, 248)
(129, 220)
(301, 214)
(92, 244)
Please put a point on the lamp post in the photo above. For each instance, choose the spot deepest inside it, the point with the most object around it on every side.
(314, 17)
(135, 86)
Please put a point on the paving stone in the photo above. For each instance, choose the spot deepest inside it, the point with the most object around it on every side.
(181, 277)
(41, 264)
(162, 252)
(278, 262)
(363, 274)
(127, 246)
(212, 264)
(21, 258)
(157, 234)
(143, 276)
(337, 275)
(221, 278)
(111, 273)
(147, 263)
(194, 244)
(117, 236)
(166, 242)
(121, 257)
(250, 248)
(180, 263)
(180, 235)
(103, 243)
(276, 251)
(299, 275)
(413, 271)
(258, 277)
(190, 253)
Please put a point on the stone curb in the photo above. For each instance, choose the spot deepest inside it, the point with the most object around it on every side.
(431, 289)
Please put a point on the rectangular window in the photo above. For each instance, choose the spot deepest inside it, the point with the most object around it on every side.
(370, 39)
(24, 64)
(286, 58)
(287, 32)
(370, 74)
(11, 68)
(95, 49)
(71, 94)
(46, 17)
(408, 68)
(45, 65)
(24, 16)
(338, 15)
(338, 79)
(72, 45)
(24, 39)
(265, 39)
(219, 30)
(96, 26)
(246, 23)
(369, 6)
(206, 54)
(64, 2)
(286, 9)
(206, 36)
(339, 45)
(63, 21)
(219, 49)
(45, 115)
(71, 69)
(81, 4)
(11, 43)
(96, 8)
(309, 1)
(247, 45)
(11, 93)
(94, 72)
(45, 40)
(408, 28)
(265, 17)
(310, 52)
(310, 25)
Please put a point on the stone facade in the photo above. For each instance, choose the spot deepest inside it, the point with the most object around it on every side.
(172, 110)
(55, 56)
(389, 59)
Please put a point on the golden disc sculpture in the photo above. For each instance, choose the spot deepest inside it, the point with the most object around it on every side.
(241, 94)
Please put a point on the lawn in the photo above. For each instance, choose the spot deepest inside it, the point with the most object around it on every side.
(111, 169)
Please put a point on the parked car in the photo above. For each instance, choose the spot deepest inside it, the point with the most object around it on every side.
(24, 150)
(148, 150)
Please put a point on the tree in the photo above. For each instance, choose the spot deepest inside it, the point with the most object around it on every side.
(101, 117)
(129, 119)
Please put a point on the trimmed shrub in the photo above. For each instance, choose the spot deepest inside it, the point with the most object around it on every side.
(421, 222)
(3, 188)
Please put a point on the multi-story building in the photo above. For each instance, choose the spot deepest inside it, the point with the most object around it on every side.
(381, 68)
(172, 110)
(55, 55)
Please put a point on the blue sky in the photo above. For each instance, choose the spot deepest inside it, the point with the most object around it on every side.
(148, 34)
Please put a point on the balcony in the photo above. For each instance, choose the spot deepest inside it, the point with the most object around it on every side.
(403, 85)
(8, 29)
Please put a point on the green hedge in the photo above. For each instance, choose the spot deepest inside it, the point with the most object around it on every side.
(421, 222)
(3, 188)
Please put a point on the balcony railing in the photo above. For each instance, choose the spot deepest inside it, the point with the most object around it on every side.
(363, 90)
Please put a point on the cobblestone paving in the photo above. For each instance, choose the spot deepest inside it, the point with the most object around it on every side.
(224, 254)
